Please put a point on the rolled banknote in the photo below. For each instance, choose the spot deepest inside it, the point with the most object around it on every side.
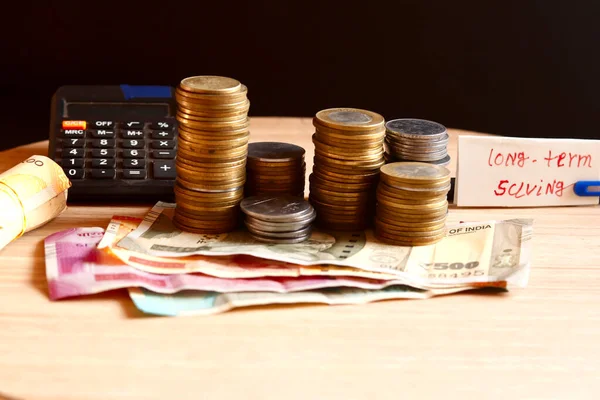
(32, 193)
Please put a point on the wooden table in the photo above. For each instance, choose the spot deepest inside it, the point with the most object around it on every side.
(541, 342)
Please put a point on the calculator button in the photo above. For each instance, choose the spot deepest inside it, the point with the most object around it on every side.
(134, 174)
(102, 133)
(164, 169)
(133, 125)
(72, 153)
(103, 153)
(70, 124)
(162, 125)
(103, 173)
(103, 163)
(132, 134)
(163, 144)
(72, 162)
(102, 124)
(74, 173)
(133, 144)
(134, 163)
(127, 153)
(73, 132)
(74, 142)
(103, 143)
(164, 153)
(163, 134)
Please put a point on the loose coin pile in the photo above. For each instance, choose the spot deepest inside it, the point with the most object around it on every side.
(411, 203)
(278, 219)
(211, 154)
(348, 154)
(416, 140)
(275, 168)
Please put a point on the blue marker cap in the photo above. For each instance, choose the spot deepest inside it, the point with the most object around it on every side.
(587, 188)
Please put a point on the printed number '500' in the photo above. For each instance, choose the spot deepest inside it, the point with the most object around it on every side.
(458, 265)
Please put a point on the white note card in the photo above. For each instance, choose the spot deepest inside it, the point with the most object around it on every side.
(496, 171)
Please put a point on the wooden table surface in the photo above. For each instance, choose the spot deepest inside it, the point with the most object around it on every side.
(541, 342)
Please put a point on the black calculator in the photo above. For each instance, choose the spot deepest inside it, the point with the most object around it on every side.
(115, 143)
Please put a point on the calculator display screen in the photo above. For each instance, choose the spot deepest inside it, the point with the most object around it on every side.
(116, 111)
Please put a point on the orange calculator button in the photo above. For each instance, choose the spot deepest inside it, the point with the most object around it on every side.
(74, 124)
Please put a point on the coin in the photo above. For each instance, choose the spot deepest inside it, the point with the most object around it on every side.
(349, 119)
(276, 208)
(415, 171)
(210, 84)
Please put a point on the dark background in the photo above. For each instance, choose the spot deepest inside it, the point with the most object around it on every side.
(515, 68)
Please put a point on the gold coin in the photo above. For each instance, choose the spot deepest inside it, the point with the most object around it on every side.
(209, 170)
(407, 241)
(397, 214)
(212, 178)
(416, 193)
(416, 185)
(200, 133)
(210, 84)
(232, 184)
(216, 97)
(198, 151)
(352, 145)
(342, 186)
(408, 233)
(234, 118)
(213, 229)
(350, 157)
(221, 216)
(362, 151)
(207, 162)
(213, 144)
(415, 171)
(237, 194)
(214, 112)
(375, 163)
(214, 101)
(394, 203)
(369, 138)
(393, 197)
(212, 126)
(414, 225)
(349, 119)
(340, 175)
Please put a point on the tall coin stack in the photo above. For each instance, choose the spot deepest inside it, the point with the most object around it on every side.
(348, 154)
(275, 168)
(411, 203)
(211, 154)
(416, 140)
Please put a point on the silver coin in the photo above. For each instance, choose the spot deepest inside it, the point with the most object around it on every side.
(412, 127)
(276, 208)
(280, 241)
(253, 225)
(416, 145)
(281, 235)
(282, 226)
(273, 152)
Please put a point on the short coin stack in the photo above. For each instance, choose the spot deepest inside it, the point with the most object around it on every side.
(416, 140)
(278, 219)
(211, 155)
(411, 203)
(275, 168)
(348, 154)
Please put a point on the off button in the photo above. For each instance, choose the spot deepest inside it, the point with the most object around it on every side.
(102, 124)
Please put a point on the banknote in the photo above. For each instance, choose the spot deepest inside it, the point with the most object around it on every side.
(481, 251)
(32, 193)
(230, 266)
(77, 264)
(189, 303)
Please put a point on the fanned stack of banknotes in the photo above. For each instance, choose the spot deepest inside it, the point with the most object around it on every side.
(170, 272)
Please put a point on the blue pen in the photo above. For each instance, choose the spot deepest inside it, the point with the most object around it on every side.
(587, 188)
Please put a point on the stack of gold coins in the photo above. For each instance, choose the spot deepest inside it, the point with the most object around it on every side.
(211, 153)
(410, 139)
(348, 154)
(275, 168)
(411, 203)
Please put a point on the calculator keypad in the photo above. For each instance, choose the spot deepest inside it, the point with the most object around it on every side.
(128, 150)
